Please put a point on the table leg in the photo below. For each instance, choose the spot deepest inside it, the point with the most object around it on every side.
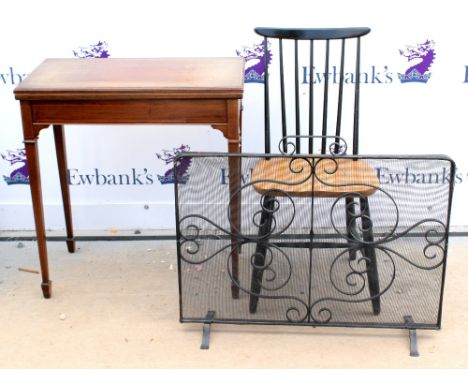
(235, 212)
(32, 156)
(234, 146)
(60, 148)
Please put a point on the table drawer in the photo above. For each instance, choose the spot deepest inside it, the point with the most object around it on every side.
(209, 111)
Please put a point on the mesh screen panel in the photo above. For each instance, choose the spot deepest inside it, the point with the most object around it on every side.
(354, 241)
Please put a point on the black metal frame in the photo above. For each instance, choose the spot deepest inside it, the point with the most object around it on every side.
(352, 242)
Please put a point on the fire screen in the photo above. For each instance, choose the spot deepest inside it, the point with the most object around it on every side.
(358, 241)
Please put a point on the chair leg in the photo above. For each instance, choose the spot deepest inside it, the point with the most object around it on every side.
(260, 252)
(369, 251)
(350, 225)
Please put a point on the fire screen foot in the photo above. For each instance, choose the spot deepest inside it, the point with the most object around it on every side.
(412, 336)
(206, 330)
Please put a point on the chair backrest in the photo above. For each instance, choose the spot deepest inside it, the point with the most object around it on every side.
(312, 86)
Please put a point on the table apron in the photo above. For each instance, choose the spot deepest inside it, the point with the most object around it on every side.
(206, 111)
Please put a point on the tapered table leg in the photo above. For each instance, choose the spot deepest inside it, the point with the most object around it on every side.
(234, 146)
(60, 148)
(235, 214)
(32, 156)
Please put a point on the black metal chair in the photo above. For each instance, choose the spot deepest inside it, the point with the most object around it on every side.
(321, 87)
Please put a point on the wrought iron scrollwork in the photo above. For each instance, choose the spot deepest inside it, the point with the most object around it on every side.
(355, 280)
(348, 276)
(338, 147)
(298, 311)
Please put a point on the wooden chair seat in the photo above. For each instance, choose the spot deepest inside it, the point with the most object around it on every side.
(332, 178)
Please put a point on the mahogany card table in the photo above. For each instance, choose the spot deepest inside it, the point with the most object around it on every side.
(200, 91)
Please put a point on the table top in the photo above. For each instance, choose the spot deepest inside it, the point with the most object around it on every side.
(134, 78)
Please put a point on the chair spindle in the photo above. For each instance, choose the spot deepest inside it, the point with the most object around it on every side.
(325, 97)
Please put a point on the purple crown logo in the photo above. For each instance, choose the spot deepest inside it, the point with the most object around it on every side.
(98, 50)
(180, 170)
(421, 56)
(20, 174)
(255, 62)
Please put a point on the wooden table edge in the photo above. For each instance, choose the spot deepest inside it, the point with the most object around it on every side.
(49, 95)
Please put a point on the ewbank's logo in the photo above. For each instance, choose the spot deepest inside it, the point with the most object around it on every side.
(181, 168)
(255, 62)
(421, 57)
(20, 174)
(11, 77)
(98, 50)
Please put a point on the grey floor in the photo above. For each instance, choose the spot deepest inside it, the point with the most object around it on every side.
(115, 304)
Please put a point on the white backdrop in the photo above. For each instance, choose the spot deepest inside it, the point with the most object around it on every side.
(396, 118)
